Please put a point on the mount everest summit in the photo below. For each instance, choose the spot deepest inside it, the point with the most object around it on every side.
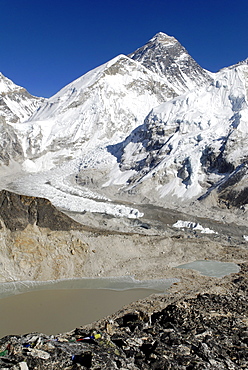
(150, 127)
(165, 56)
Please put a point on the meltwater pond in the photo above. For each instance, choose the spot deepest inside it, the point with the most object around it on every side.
(58, 306)
(212, 268)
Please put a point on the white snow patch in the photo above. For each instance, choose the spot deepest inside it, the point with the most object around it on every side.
(193, 226)
(245, 237)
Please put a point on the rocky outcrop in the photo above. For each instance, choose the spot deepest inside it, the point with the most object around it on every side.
(18, 211)
(231, 192)
(207, 330)
(10, 146)
(234, 191)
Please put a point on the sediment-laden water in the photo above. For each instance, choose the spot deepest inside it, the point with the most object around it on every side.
(58, 306)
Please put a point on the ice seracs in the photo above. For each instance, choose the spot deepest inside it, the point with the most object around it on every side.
(180, 224)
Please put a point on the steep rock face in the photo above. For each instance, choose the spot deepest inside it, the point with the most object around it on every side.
(232, 191)
(38, 241)
(165, 56)
(10, 146)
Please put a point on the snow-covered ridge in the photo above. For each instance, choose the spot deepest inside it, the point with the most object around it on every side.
(17, 105)
(117, 74)
(6, 85)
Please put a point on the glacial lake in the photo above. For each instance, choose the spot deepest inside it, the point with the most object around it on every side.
(57, 306)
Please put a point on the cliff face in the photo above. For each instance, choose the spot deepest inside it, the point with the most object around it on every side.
(19, 211)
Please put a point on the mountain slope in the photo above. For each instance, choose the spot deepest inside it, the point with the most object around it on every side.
(190, 142)
(104, 105)
(165, 56)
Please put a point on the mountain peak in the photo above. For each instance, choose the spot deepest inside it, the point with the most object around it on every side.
(6, 85)
(165, 56)
(163, 38)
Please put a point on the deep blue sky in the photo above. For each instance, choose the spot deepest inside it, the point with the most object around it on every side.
(45, 44)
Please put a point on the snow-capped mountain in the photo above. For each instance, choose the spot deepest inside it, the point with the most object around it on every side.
(165, 56)
(153, 124)
(16, 105)
(106, 104)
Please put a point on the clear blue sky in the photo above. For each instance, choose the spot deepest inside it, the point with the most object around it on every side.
(45, 44)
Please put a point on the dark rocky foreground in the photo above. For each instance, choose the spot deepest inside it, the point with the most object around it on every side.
(199, 330)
